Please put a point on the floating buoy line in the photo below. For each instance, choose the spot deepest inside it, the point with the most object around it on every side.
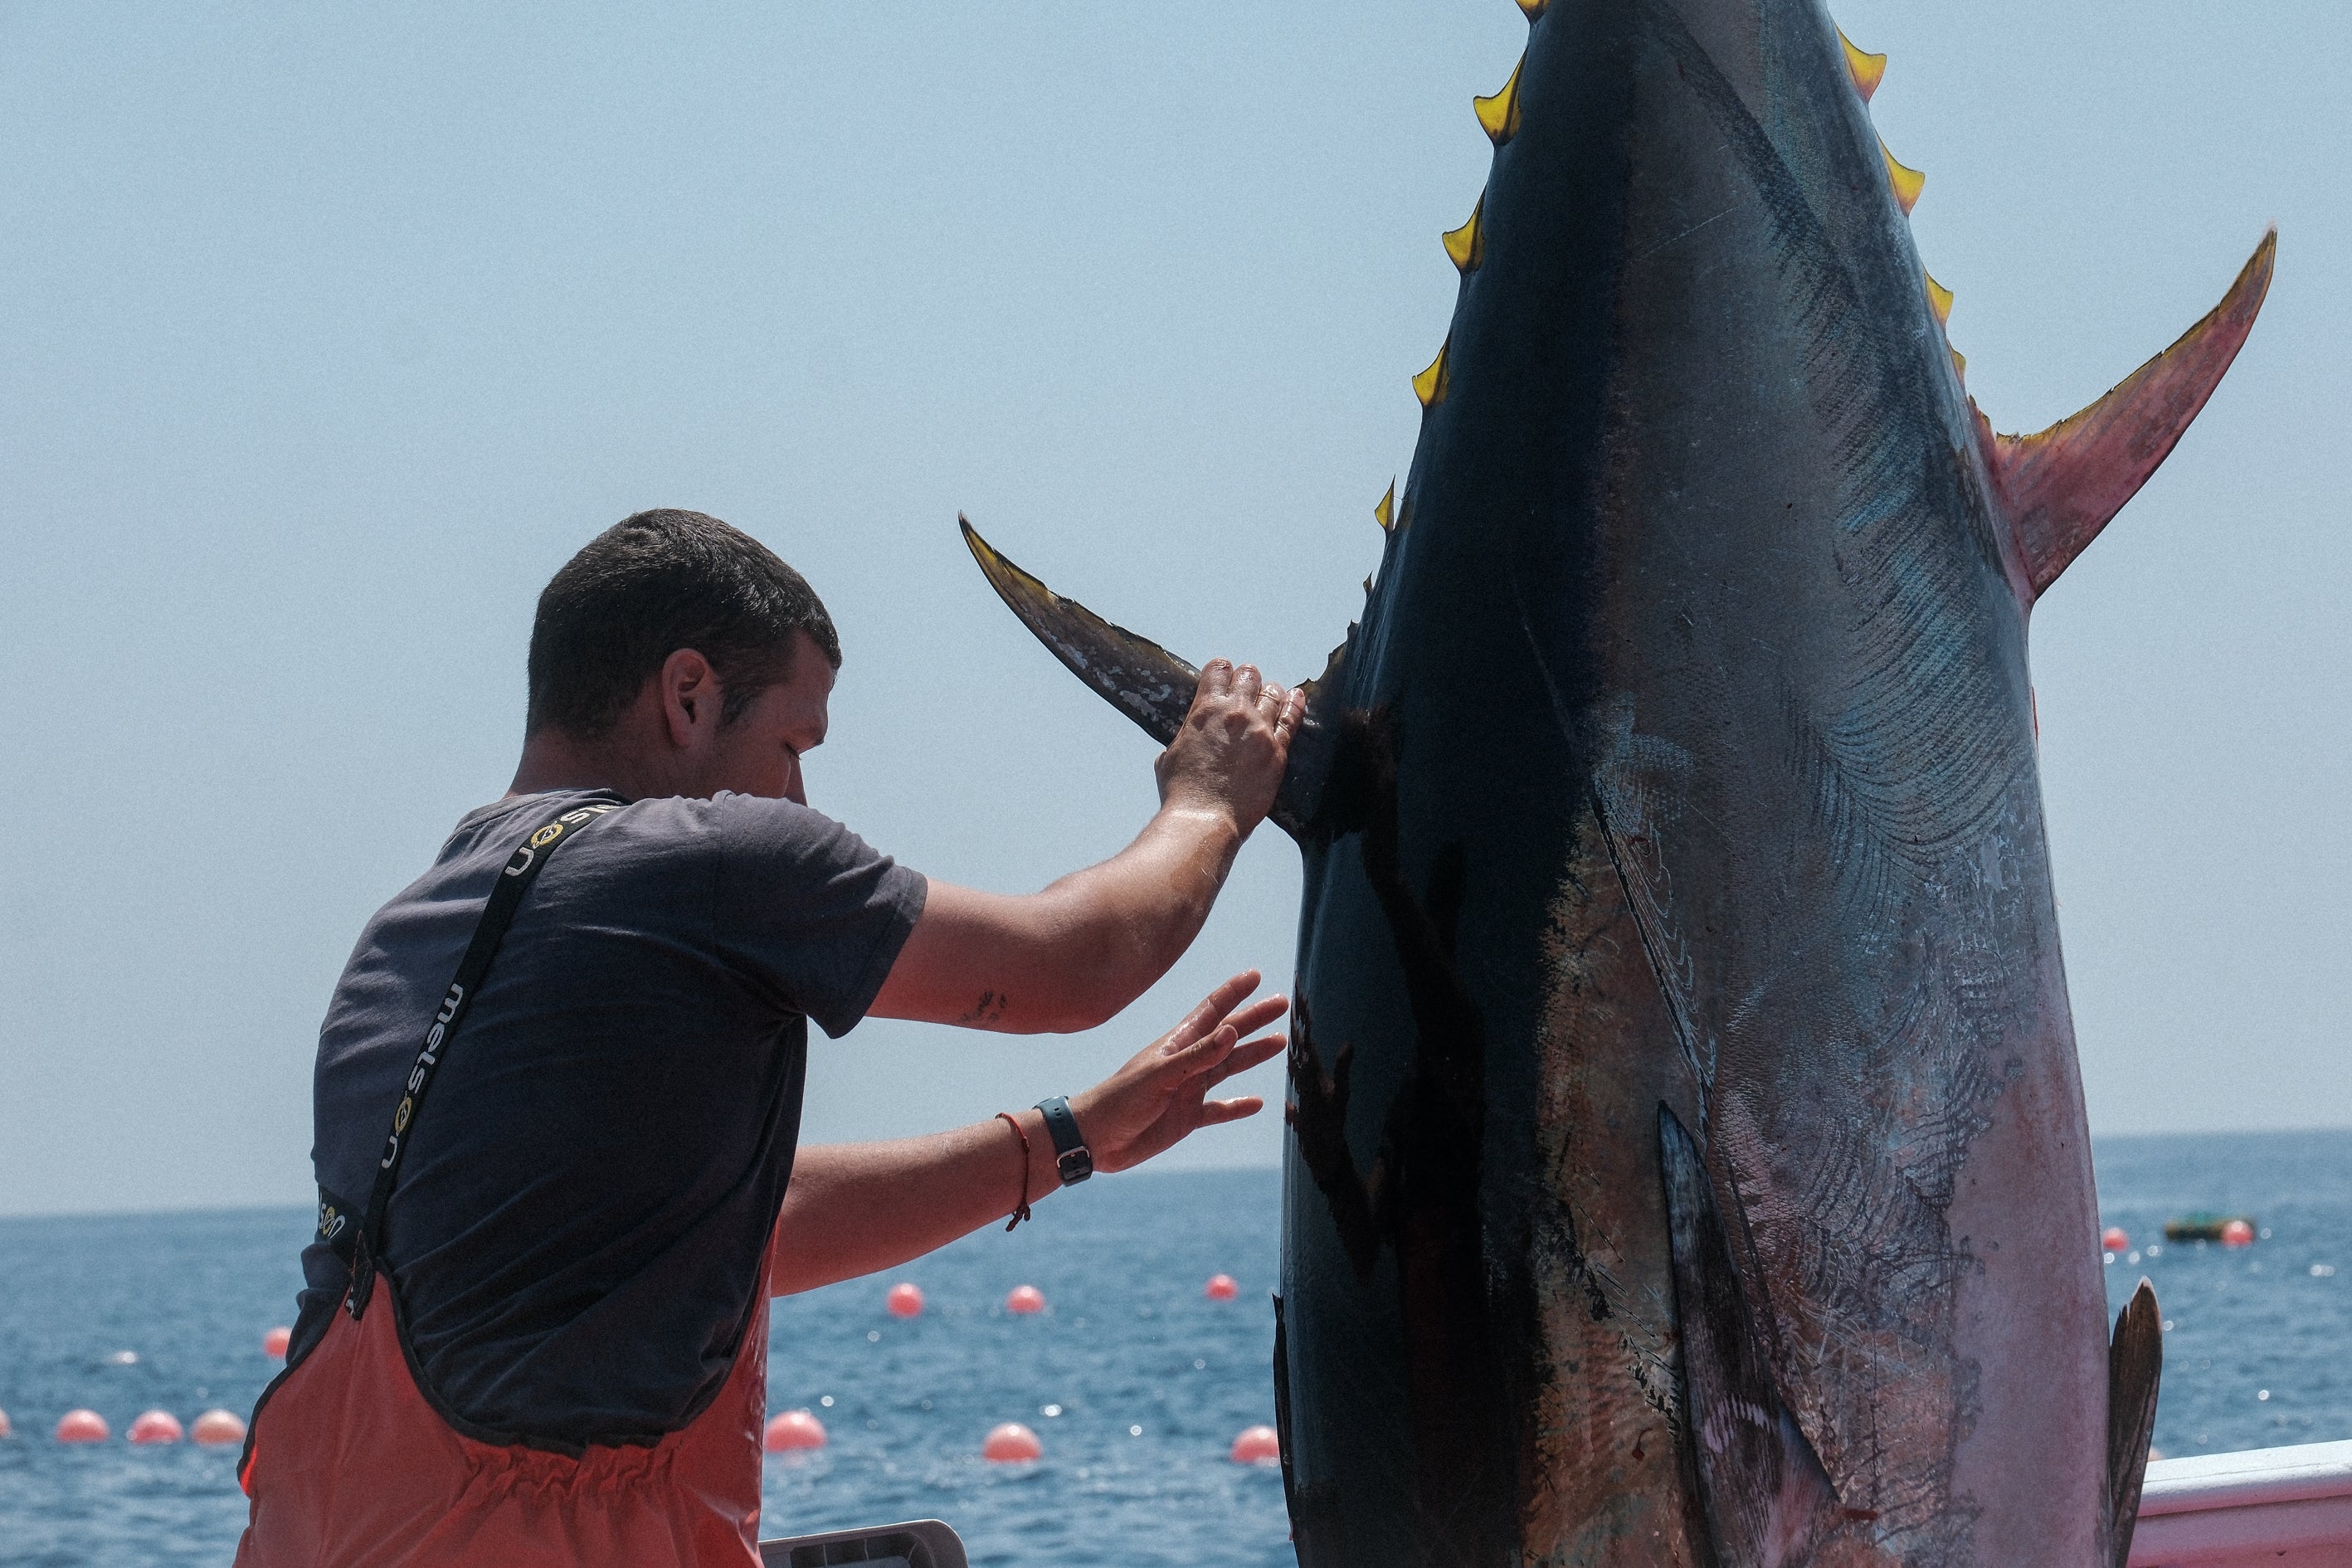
(795, 1431)
(149, 1429)
(1011, 1442)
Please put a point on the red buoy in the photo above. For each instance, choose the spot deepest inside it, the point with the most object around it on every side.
(1025, 1298)
(1220, 1287)
(218, 1428)
(2237, 1233)
(2114, 1238)
(1257, 1446)
(155, 1426)
(1012, 1444)
(905, 1300)
(275, 1342)
(792, 1431)
(83, 1426)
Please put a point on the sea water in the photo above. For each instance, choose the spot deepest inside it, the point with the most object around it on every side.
(1134, 1382)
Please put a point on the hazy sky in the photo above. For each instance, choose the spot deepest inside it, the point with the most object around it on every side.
(327, 333)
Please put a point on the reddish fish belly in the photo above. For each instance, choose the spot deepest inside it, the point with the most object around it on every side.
(1603, 1481)
(1957, 1400)
(2032, 1323)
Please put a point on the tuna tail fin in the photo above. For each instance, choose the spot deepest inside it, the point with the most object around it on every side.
(2061, 487)
(2134, 1367)
(1766, 1498)
(1150, 685)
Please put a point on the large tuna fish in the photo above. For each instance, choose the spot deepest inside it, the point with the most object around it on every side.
(1688, 1161)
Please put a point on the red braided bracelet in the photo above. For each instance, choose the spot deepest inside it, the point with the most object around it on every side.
(1021, 1213)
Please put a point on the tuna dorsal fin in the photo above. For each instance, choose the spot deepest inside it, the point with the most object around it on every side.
(1150, 685)
(2134, 1367)
(1767, 1500)
(2060, 488)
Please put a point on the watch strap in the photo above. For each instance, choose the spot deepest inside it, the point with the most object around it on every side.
(1072, 1158)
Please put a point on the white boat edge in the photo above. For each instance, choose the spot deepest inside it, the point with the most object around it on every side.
(2284, 1508)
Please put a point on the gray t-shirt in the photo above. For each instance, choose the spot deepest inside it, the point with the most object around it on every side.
(575, 1239)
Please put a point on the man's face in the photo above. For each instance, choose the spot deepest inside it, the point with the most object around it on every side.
(760, 754)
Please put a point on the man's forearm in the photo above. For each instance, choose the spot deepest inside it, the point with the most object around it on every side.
(1073, 955)
(855, 1208)
(1133, 915)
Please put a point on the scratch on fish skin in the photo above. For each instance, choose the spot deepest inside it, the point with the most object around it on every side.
(1670, 985)
(1657, 246)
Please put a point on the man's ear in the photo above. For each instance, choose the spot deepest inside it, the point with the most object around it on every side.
(690, 699)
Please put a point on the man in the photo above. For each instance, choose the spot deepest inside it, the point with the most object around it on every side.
(535, 1323)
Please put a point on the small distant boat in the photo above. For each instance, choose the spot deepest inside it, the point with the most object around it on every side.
(2230, 1229)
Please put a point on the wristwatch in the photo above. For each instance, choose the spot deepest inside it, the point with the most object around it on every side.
(1072, 1158)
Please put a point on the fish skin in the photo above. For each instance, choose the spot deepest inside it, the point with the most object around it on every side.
(1703, 492)
(1682, 775)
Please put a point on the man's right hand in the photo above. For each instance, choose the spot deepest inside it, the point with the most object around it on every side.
(1230, 755)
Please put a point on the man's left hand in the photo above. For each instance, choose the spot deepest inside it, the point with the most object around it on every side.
(1161, 1097)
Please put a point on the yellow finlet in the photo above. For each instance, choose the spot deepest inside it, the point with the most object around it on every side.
(1430, 385)
(1500, 113)
(1386, 512)
(1907, 183)
(1942, 298)
(1534, 10)
(1867, 71)
(1960, 365)
(1464, 244)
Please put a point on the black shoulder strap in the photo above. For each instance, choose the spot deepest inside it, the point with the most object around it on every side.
(522, 867)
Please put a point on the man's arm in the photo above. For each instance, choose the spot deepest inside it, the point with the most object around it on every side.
(855, 1208)
(1072, 956)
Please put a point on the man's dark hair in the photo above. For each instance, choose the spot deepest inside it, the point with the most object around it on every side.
(654, 583)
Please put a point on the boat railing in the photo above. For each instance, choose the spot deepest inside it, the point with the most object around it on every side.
(2283, 1508)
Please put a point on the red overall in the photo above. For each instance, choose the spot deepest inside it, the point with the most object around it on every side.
(350, 1468)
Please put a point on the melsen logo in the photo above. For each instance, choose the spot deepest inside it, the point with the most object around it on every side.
(417, 1074)
(529, 851)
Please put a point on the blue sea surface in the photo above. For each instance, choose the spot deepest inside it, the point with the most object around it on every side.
(1135, 1383)
(2256, 1338)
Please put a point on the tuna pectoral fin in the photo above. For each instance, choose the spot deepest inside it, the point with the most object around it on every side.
(1766, 1498)
(2060, 488)
(2135, 1366)
(1150, 685)
(1135, 675)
